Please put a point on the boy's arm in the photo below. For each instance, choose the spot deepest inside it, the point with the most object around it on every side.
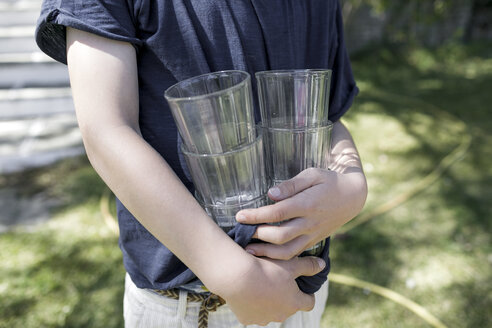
(103, 75)
(316, 201)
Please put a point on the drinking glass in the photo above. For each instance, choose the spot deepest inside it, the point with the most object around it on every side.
(294, 98)
(290, 151)
(229, 178)
(213, 112)
(225, 215)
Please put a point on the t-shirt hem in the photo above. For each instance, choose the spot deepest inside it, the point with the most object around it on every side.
(347, 104)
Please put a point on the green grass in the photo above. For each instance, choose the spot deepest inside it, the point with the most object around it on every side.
(415, 107)
(66, 272)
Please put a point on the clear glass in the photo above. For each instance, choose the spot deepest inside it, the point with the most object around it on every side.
(229, 178)
(290, 151)
(213, 112)
(225, 215)
(294, 98)
(315, 250)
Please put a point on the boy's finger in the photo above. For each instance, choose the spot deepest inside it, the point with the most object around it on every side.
(306, 301)
(278, 212)
(307, 265)
(280, 234)
(300, 182)
(279, 252)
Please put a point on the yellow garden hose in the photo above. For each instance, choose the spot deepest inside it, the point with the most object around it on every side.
(109, 219)
(389, 294)
(457, 154)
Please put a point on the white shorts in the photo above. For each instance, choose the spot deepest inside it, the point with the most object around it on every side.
(146, 309)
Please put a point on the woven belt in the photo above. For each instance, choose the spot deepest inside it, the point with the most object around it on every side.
(209, 303)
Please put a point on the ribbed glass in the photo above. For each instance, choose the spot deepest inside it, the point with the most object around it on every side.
(213, 112)
(294, 98)
(229, 178)
(290, 151)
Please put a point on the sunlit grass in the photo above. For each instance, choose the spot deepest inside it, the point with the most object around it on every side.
(435, 248)
(68, 271)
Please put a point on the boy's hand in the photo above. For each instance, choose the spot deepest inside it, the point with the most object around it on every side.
(311, 206)
(266, 291)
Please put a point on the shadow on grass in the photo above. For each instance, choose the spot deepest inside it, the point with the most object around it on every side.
(63, 186)
(16, 307)
(471, 301)
(459, 88)
(450, 78)
(79, 281)
(365, 251)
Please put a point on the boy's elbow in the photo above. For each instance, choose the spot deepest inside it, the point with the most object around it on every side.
(361, 190)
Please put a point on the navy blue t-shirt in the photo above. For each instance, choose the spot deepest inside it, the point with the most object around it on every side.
(179, 39)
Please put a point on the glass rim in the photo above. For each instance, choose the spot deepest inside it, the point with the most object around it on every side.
(246, 75)
(326, 125)
(229, 206)
(231, 152)
(293, 72)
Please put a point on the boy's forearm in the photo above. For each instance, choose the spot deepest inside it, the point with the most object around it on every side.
(159, 200)
(344, 157)
(345, 160)
(104, 80)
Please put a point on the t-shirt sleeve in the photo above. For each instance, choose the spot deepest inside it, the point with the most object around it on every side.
(343, 87)
(112, 19)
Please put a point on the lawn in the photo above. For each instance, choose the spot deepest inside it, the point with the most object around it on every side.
(428, 233)
(422, 125)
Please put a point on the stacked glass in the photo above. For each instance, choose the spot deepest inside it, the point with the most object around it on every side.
(221, 144)
(294, 108)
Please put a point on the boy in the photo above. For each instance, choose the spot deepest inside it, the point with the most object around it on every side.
(121, 57)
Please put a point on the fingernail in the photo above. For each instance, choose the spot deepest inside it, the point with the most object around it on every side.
(240, 218)
(250, 251)
(321, 263)
(275, 192)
